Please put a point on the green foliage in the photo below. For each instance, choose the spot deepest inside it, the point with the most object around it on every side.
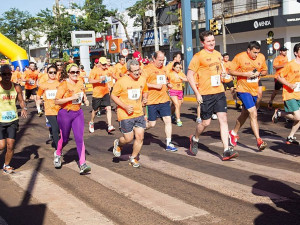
(66, 57)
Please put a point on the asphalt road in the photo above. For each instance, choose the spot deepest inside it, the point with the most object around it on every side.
(169, 188)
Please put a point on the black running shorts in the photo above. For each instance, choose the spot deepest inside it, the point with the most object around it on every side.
(9, 130)
(100, 102)
(213, 104)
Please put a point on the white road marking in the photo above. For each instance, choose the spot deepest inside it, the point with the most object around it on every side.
(161, 203)
(68, 208)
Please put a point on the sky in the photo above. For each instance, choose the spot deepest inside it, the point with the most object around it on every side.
(35, 6)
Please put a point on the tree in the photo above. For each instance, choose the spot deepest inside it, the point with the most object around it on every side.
(137, 12)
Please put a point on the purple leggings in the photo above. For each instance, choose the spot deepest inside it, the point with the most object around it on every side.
(75, 120)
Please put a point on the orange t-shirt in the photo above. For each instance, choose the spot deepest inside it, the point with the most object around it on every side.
(174, 79)
(227, 78)
(169, 67)
(16, 76)
(99, 89)
(43, 77)
(291, 73)
(58, 74)
(279, 61)
(66, 90)
(110, 73)
(82, 75)
(48, 91)
(119, 70)
(156, 75)
(208, 66)
(31, 78)
(243, 63)
(130, 92)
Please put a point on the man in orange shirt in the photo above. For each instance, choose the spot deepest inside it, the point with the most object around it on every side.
(289, 76)
(278, 64)
(98, 78)
(248, 66)
(158, 104)
(120, 68)
(130, 94)
(210, 92)
(16, 75)
(31, 77)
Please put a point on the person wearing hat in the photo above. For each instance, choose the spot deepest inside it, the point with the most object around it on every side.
(99, 78)
(137, 56)
(279, 62)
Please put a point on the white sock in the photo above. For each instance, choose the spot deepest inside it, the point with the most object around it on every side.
(194, 139)
(38, 108)
(168, 141)
(178, 120)
(232, 132)
(279, 113)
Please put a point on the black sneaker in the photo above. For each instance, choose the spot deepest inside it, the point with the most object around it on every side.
(276, 116)
(193, 146)
(229, 154)
(292, 141)
(259, 111)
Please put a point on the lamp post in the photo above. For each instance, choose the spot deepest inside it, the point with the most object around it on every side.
(155, 27)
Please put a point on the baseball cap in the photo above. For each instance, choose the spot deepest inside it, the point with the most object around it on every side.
(103, 60)
(137, 56)
(96, 61)
(283, 48)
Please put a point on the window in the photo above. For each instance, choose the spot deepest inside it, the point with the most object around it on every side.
(251, 4)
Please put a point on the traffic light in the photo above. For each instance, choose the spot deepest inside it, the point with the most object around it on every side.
(269, 40)
(213, 26)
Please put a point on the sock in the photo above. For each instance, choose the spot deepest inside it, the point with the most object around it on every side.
(232, 132)
(178, 120)
(38, 108)
(279, 113)
(194, 139)
(168, 141)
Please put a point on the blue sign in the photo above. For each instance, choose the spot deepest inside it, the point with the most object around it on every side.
(149, 38)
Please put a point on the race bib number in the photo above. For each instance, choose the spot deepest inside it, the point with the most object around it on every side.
(134, 94)
(107, 79)
(252, 80)
(8, 116)
(86, 80)
(31, 82)
(297, 89)
(215, 80)
(161, 79)
(50, 94)
(227, 77)
(79, 99)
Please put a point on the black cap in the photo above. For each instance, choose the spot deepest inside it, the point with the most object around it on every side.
(283, 48)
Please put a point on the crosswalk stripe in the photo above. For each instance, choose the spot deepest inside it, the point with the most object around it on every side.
(276, 173)
(170, 207)
(266, 152)
(67, 207)
(223, 186)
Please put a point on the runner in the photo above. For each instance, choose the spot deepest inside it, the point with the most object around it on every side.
(210, 92)
(228, 80)
(289, 76)
(279, 62)
(248, 66)
(9, 121)
(101, 98)
(158, 104)
(176, 58)
(31, 77)
(120, 68)
(130, 94)
(48, 90)
(69, 96)
(59, 66)
(176, 78)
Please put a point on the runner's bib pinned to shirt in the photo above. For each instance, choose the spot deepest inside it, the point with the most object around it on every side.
(161, 79)
(31, 82)
(79, 99)
(227, 77)
(134, 94)
(297, 89)
(215, 80)
(8, 116)
(50, 94)
(252, 80)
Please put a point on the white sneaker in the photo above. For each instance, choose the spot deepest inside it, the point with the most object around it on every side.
(91, 127)
(198, 120)
(57, 160)
(110, 128)
(214, 117)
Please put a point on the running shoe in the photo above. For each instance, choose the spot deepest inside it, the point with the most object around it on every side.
(276, 116)
(214, 116)
(134, 162)
(237, 105)
(98, 113)
(233, 139)
(84, 169)
(292, 141)
(173, 118)
(91, 127)
(229, 154)
(57, 160)
(261, 144)
(8, 169)
(110, 129)
(179, 124)
(270, 105)
(198, 120)
(171, 148)
(40, 113)
(117, 149)
(193, 146)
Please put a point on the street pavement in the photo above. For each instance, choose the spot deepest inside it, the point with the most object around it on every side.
(169, 188)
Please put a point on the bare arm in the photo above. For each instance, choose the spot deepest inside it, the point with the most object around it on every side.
(21, 101)
(286, 83)
(191, 80)
(117, 100)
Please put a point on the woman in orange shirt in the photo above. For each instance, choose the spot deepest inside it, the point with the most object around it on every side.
(176, 78)
(48, 90)
(70, 95)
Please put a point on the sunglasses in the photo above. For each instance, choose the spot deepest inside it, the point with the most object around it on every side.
(58, 64)
(74, 72)
(52, 72)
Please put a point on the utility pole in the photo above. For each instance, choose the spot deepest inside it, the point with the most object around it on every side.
(208, 13)
(155, 27)
(223, 29)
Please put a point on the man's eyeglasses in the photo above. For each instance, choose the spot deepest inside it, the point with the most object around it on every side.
(74, 72)
(52, 72)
